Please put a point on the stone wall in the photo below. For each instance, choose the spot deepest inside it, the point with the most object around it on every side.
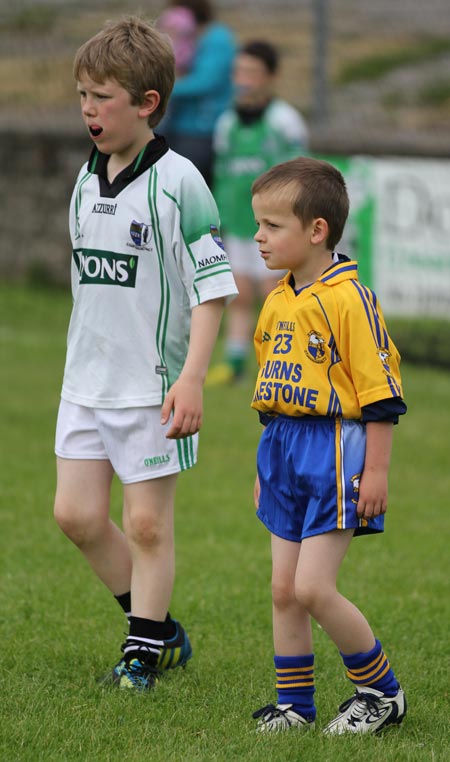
(39, 169)
(36, 182)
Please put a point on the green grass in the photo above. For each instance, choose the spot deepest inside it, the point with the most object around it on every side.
(432, 95)
(31, 19)
(435, 94)
(373, 67)
(60, 629)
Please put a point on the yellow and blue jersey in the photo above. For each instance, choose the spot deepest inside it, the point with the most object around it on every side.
(324, 351)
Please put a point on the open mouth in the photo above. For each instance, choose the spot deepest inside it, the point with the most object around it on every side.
(95, 130)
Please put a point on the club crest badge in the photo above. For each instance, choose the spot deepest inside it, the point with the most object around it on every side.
(316, 347)
(140, 233)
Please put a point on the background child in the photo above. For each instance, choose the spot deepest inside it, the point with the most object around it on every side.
(145, 317)
(259, 131)
(180, 24)
(202, 93)
(329, 392)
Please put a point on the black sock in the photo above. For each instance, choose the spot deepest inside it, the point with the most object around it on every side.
(145, 640)
(170, 627)
(151, 628)
(124, 602)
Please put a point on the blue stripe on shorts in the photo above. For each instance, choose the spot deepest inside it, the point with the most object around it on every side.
(309, 470)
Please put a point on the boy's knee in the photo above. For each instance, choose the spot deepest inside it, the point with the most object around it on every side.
(143, 530)
(311, 596)
(283, 592)
(77, 526)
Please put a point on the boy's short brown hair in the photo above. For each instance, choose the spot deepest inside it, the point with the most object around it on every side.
(133, 53)
(314, 188)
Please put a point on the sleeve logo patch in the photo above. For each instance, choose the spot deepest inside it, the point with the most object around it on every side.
(384, 356)
(216, 236)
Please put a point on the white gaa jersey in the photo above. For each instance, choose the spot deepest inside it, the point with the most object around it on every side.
(146, 251)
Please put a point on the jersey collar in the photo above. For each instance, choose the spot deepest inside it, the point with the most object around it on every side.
(98, 162)
(342, 268)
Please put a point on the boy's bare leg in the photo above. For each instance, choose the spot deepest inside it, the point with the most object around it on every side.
(291, 621)
(82, 512)
(149, 529)
(319, 563)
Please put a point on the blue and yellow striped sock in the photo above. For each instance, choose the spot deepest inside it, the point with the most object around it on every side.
(295, 683)
(371, 669)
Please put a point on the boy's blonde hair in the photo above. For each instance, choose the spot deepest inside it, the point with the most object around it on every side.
(313, 188)
(134, 54)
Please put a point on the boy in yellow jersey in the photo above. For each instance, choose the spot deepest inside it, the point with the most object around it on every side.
(328, 392)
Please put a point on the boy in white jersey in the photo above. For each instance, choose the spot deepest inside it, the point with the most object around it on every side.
(328, 392)
(259, 131)
(149, 282)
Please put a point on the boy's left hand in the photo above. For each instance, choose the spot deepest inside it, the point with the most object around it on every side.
(373, 492)
(185, 400)
(256, 492)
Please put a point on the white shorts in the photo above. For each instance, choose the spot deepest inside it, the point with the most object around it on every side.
(245, 259)
(132, 439)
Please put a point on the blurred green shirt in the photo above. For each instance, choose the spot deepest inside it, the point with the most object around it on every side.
(244, 149)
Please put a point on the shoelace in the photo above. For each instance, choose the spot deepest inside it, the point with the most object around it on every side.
(270, 712)
(139, 664)
(134, 649)
(140, 674)
(363, 702)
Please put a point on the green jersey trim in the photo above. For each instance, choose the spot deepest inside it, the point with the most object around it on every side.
(78, 202)
(139, 159)
(197, 234)
(163, 316)
(214, 271)
(186, 242)
(204, 229)
(185, 452)
(172, 198)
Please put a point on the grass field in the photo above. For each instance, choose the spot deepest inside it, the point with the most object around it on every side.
(60, 629)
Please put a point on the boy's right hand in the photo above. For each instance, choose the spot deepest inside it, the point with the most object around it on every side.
(256, 492)
(185, 401)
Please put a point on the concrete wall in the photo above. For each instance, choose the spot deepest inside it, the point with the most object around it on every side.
(38, 172)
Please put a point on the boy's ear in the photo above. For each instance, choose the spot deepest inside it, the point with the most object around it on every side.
(149, 104)
(320, 230)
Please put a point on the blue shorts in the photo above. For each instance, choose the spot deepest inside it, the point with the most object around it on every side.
(309, 470)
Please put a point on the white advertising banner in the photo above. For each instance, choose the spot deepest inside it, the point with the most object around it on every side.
(399, 231)
(411, 236)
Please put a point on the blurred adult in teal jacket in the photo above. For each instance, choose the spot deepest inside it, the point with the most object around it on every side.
(204, 92)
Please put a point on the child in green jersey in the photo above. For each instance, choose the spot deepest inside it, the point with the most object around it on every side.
(259, 131)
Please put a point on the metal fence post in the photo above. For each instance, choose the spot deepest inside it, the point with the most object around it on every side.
(320, 94)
